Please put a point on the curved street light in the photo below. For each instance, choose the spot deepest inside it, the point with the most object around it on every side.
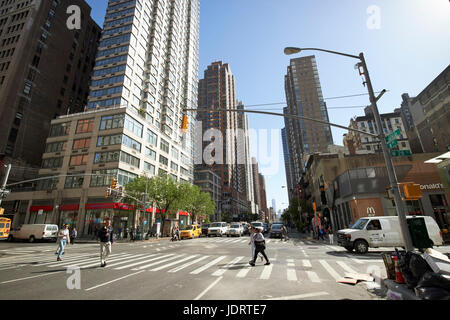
(400, 206)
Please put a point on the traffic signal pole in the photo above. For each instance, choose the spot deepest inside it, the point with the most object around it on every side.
(400, 205)
(5, 180)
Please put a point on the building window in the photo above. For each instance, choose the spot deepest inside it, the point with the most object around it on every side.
(150, 153)
(164, 145)
(75, 181)
(78, 160)
(149, 168)
(103, 157)
(84, 126)
(163, 160)
(102, 178)
(109, 140)
(131, 143)
(128, 158)
(81, 144)
(52, 163)
(112, 122)
(61, 129)
(152, 138)
(56, 146)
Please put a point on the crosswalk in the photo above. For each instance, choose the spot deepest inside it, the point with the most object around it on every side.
(291, 270)
(17, 251)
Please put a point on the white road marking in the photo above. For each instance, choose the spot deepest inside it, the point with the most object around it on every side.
(266, 271)
(158, 262)
(330, 270)
(145, 261)
(301, 296)
(346, 267)
(187, 264)
(222, 270)
(104, 284)
(41, 275)
(122, 262)
(313, 276)
(83, 266)
(243, 272)
(291, 275)
(203, 268)
(209, 288)
(84, 261)
(353, 259)
(174, 263)
(307, 263)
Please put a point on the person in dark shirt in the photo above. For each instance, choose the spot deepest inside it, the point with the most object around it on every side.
(106, 240)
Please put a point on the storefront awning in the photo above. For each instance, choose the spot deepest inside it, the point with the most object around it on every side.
(111, 205)
(43, 208)
(184, 213)
(69, 207)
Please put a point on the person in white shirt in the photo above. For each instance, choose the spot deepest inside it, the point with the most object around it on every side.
(260, 246)
(63, 239)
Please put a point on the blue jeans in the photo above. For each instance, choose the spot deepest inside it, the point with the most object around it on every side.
(62, 244)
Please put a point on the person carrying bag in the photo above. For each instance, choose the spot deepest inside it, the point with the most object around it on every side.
(260, 247)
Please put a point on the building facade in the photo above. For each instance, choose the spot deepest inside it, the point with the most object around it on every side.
(45, 70)
(145, 74)
(210, 182)
(287, 165)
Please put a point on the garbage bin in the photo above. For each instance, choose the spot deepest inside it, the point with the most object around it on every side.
(419, 233)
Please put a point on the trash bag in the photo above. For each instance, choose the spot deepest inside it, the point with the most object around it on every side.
(418, 266)
(432, 293)
(435, 280)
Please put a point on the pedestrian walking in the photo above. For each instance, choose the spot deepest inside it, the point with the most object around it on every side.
(260, 247)
(330, 234)
(106, 241)
(252, 243)
(73, 235)
(284, 233)
(321, 234)
(119, 233)
(63, 239)
(132, 234)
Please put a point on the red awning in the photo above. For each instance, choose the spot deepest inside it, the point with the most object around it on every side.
(184, 213)
(147, 210)
(69, 207)
(111, 205)
(43, 208)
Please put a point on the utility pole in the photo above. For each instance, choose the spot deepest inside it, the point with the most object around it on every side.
(401, 210)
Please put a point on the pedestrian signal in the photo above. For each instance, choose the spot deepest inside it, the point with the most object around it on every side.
(412, 191)
(2, 211)
(184, 124)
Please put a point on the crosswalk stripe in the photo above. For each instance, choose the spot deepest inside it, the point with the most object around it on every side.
(122, 262)
(346, 267)
(302, 243)
(313, 276)
(330, 270)
(158, 262)
(145, 261)
(174, 263)
(187, 264)
(267, 271)
(291, 275)
(353, 259)
(307, 263)
(222, 270)
(81, 262)
(71, 258)
(243, 272)
(127, 258)
(203, 268)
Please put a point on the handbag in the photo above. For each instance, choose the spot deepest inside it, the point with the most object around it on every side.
(260, 245)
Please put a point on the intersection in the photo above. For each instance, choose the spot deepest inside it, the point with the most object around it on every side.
(198, 269)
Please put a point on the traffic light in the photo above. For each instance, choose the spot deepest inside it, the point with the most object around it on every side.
(2, 211)
(411, 190)
(184, 123)
(114, 184)
(107, 194)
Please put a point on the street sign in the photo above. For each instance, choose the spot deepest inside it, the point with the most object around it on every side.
(400, 153)
(392, 144)
(392, 136)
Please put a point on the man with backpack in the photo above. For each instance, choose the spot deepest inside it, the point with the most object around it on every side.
(106, 236)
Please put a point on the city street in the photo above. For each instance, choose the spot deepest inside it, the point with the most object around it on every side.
(198, 269)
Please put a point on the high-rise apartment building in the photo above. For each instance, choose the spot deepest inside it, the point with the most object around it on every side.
(217, 91)
(256, 188)
(45, 70)
(262, 192)
(145, 74)
(304, 98)
(287, 164)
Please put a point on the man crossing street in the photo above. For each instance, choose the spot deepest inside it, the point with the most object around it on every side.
(106, 241)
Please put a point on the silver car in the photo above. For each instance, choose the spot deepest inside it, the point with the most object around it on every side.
(236, 230)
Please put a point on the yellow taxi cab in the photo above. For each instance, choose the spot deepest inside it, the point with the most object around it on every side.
(5, 227)
(190, 231)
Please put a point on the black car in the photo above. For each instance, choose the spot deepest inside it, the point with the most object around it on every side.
(246, 231)
(275, 230)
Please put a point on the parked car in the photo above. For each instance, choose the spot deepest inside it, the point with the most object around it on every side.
(266, 227)
(205, 229)
(275, 230)
(218, 229)
(190, 231)
(33, 232)
(375, 232)
(236, 230)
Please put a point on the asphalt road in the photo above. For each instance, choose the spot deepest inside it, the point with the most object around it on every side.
(198, 269)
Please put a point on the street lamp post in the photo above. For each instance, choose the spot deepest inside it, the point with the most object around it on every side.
(400, 206)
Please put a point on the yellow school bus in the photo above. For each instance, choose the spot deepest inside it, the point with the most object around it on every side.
(5, 227)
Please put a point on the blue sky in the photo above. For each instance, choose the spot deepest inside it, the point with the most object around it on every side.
(408, 50)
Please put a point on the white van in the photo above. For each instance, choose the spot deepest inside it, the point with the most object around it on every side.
(33, 232)
(217, 229)
(375, 232)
